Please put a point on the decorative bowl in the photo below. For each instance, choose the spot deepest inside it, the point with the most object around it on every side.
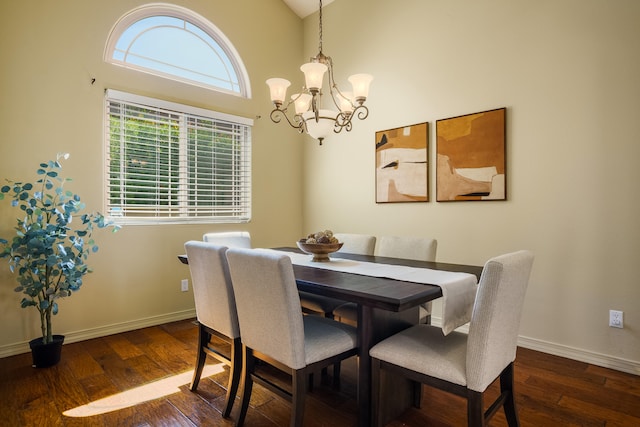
(320, 251)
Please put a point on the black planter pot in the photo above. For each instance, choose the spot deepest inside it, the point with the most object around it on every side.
(46, 355)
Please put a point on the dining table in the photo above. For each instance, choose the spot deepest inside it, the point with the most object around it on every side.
(385, 306)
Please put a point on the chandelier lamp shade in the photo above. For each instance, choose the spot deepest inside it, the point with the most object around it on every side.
(304, 110)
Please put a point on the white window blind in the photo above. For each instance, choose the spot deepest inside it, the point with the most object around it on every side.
(167, 162)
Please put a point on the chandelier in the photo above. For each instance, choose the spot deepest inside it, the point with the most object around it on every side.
(309, 115)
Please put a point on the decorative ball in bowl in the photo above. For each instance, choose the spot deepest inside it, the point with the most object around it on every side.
(320, 251)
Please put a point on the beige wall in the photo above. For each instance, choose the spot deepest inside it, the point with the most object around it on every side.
(49, 53)
(567, 72)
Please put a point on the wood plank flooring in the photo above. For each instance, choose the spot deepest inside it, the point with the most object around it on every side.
(124, 368)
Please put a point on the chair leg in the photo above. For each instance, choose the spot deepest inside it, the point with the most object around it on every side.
(201, 357)
(475, 409)
(235, 370)
(247, 383)
(336, 374)
(507, 386)
(328, 315)
(310, 383)
(417, 394)
(298, 397)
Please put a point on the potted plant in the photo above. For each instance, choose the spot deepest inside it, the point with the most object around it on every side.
(49, 250)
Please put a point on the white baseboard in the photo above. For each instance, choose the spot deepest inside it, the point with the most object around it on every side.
(599, 359)
(102, 331)
(604, 360)
(581, 355)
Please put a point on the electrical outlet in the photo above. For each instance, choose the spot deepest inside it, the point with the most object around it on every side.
(184, 285)
(616, 319)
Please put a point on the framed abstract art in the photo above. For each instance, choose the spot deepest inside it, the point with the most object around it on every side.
(471, 159)
(401, 164)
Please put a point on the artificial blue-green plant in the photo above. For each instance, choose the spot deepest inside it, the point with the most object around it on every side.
(52, 240)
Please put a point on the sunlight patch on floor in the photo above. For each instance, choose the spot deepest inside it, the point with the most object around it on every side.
(145, 393)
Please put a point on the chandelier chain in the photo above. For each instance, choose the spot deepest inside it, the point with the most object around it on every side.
(320, 30)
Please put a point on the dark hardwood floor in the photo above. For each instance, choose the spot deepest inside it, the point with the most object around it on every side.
(146, 363)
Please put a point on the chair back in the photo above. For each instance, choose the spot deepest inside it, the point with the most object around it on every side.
(231, 239)
(493, 331)
(416, 248)
(359, 244)
(268, 304)
(212, 289)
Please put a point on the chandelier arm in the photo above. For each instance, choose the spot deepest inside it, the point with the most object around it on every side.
(334, 100)
(342, 119)
(345, 120)
(342, 95)
(342, 123)
(363, 112)
(277, 114)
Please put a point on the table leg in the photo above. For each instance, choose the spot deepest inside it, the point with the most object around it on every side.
(374, 325)
(365, 342)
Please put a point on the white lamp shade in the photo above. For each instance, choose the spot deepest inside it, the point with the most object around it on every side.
(313, 74)
(301, 102)
(360, 83)
(344, 99)
(324, 125)
(278, 88)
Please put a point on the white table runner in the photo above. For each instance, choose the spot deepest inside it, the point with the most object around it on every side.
(458, 289)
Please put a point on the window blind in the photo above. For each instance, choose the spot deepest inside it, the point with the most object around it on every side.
(167, 162)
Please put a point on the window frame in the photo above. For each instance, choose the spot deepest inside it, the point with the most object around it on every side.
(164, 9)
(185, 111)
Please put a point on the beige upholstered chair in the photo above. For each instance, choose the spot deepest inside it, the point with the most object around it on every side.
(359, 244)
(216, 313)
(231, 239)
(463, 364)
(274, 329)
(416, 248)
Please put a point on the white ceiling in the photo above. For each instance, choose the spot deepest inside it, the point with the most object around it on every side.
(303, 8)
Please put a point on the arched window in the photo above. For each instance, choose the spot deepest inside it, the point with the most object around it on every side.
(176, 43)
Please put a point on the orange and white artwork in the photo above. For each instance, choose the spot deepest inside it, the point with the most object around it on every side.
(471, 162)
(401, 164)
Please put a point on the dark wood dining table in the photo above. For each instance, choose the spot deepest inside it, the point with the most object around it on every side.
(385, 307)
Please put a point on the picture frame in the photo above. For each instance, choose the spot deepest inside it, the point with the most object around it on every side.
(471, 157)
(402, 164)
